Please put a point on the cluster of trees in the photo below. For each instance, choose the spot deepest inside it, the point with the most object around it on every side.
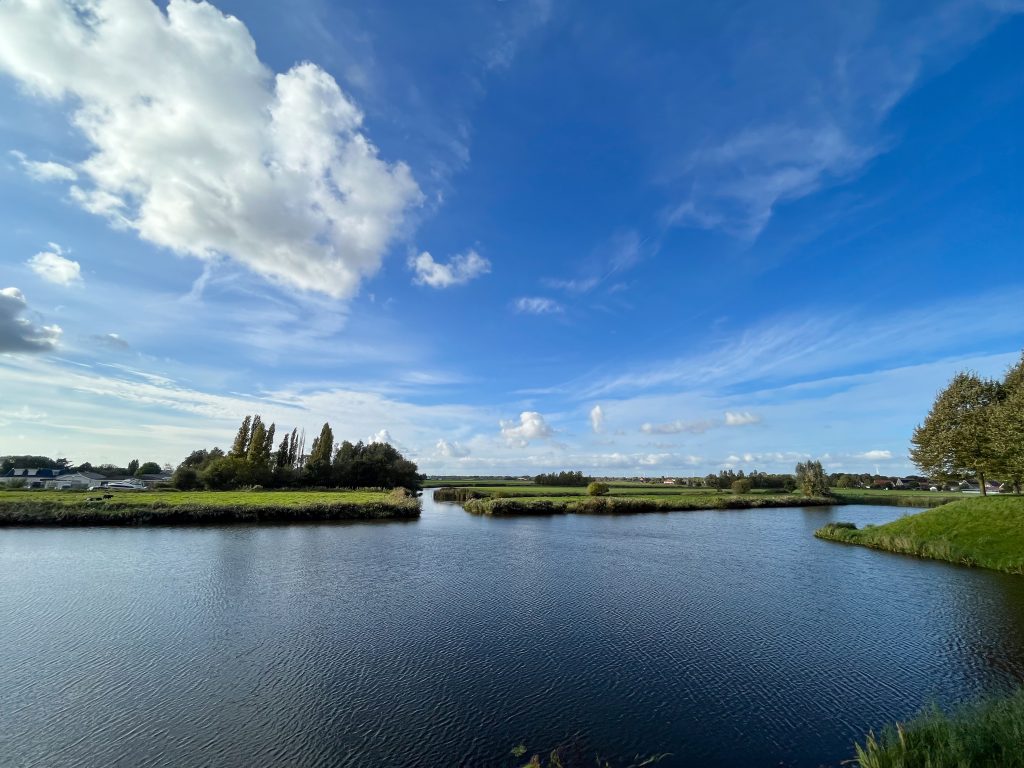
(574, 479)
(975, 429)
(725, 480)
(253, 461)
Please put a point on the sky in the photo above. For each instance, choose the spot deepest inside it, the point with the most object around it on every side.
(507, 236)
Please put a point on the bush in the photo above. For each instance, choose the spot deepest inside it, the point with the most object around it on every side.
(598, 489)
(742, 486)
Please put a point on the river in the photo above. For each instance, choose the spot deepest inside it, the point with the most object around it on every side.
(727, 638)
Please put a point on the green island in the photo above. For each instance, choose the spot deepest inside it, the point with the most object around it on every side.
(987, 532)
(168, 507)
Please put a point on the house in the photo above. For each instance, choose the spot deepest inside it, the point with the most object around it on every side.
(74, 481)
(157, 477)
(29, 478)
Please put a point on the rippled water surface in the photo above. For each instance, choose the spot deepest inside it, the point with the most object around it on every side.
(725, 638)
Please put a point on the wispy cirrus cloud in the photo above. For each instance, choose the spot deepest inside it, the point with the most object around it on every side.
(537, 305)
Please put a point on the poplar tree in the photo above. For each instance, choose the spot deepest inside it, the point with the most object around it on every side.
(284, 452)
(257, 441)
(240, 447)
(319, 462)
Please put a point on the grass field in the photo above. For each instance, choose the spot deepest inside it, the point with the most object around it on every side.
(985, 735)
(632, 503)
(985, 532)
(894, 498)
(184, 507)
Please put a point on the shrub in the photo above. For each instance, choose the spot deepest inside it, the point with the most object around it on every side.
(598, 489)
(742, 486)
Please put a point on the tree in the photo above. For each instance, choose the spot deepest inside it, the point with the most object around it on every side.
(811, 480)
(240, 447)
(149, 468)
(958, 437)
(1009, 427)
(133, 466)
(598, 489)
(257, 442)
(743, 485)
(318, 465)
(845, 481)
(225, 473)
(283, 452)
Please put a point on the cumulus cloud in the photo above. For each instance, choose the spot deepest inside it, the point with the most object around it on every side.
(596, 418)
(739, 418)
(676, 427)
(18, 334)
(198, 147)
(875, 455)
(451, 450)
(531, 426)
(54, 267)
(460, 270)
(537, 305)
(45, 170)
(380, 436)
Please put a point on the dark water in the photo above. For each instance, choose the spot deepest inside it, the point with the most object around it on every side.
(725, 638)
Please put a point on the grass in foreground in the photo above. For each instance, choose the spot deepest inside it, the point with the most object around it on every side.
(985, 735)
(199, 507)
(984, 532)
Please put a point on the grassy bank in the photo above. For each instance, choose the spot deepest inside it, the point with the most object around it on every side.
(624, 505)
(925, 499)
(69, 508)
(985, 735)
(984, 532)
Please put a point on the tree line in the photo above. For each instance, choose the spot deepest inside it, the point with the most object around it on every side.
(134, 468)
(572, 479)
(254, 461)
(975, 430)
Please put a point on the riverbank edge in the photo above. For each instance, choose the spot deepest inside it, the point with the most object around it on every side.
(51, 514)
(624, 505)
(969, 532)
(986, 733)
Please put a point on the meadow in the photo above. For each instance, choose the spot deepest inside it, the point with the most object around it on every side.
(19, 507)
(987, 532)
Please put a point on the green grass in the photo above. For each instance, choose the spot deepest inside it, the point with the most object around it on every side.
(894, 498)
(618, 505)
(984, 532)
(194, 507)
(985, 735)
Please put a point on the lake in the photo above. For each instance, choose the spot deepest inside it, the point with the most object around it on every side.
(727, 638)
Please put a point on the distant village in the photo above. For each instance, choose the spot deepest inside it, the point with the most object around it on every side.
(67, 479)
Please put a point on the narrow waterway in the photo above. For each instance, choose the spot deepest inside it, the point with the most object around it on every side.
(725, 638)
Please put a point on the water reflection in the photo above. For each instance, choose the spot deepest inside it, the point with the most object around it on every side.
(728, 638)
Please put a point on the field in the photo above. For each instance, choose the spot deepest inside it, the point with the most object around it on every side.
(184, 507)
(985, 532)
(895, 498)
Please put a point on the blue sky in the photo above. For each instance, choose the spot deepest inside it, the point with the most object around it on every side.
(654, 238)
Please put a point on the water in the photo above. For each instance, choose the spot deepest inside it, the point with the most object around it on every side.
(725, 638)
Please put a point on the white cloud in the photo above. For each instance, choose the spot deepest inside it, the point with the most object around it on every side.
(460, 270)
(677, 426)
(45, 170)
(596, 418)
(17, 334)
(740, 418)
(451, 450)
(53, 267)
(875, 455)
(380, 436)
(531, 426)
(112, 340)
(536, 305)
(199, 148)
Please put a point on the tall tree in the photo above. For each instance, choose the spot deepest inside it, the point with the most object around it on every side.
(811, 480)
(240, 447)
(958, 436)
(268, 443)
(293, 449)
(1009, 427)
(133, 466)
(283, 452)
(257, 442)
(319, 462)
